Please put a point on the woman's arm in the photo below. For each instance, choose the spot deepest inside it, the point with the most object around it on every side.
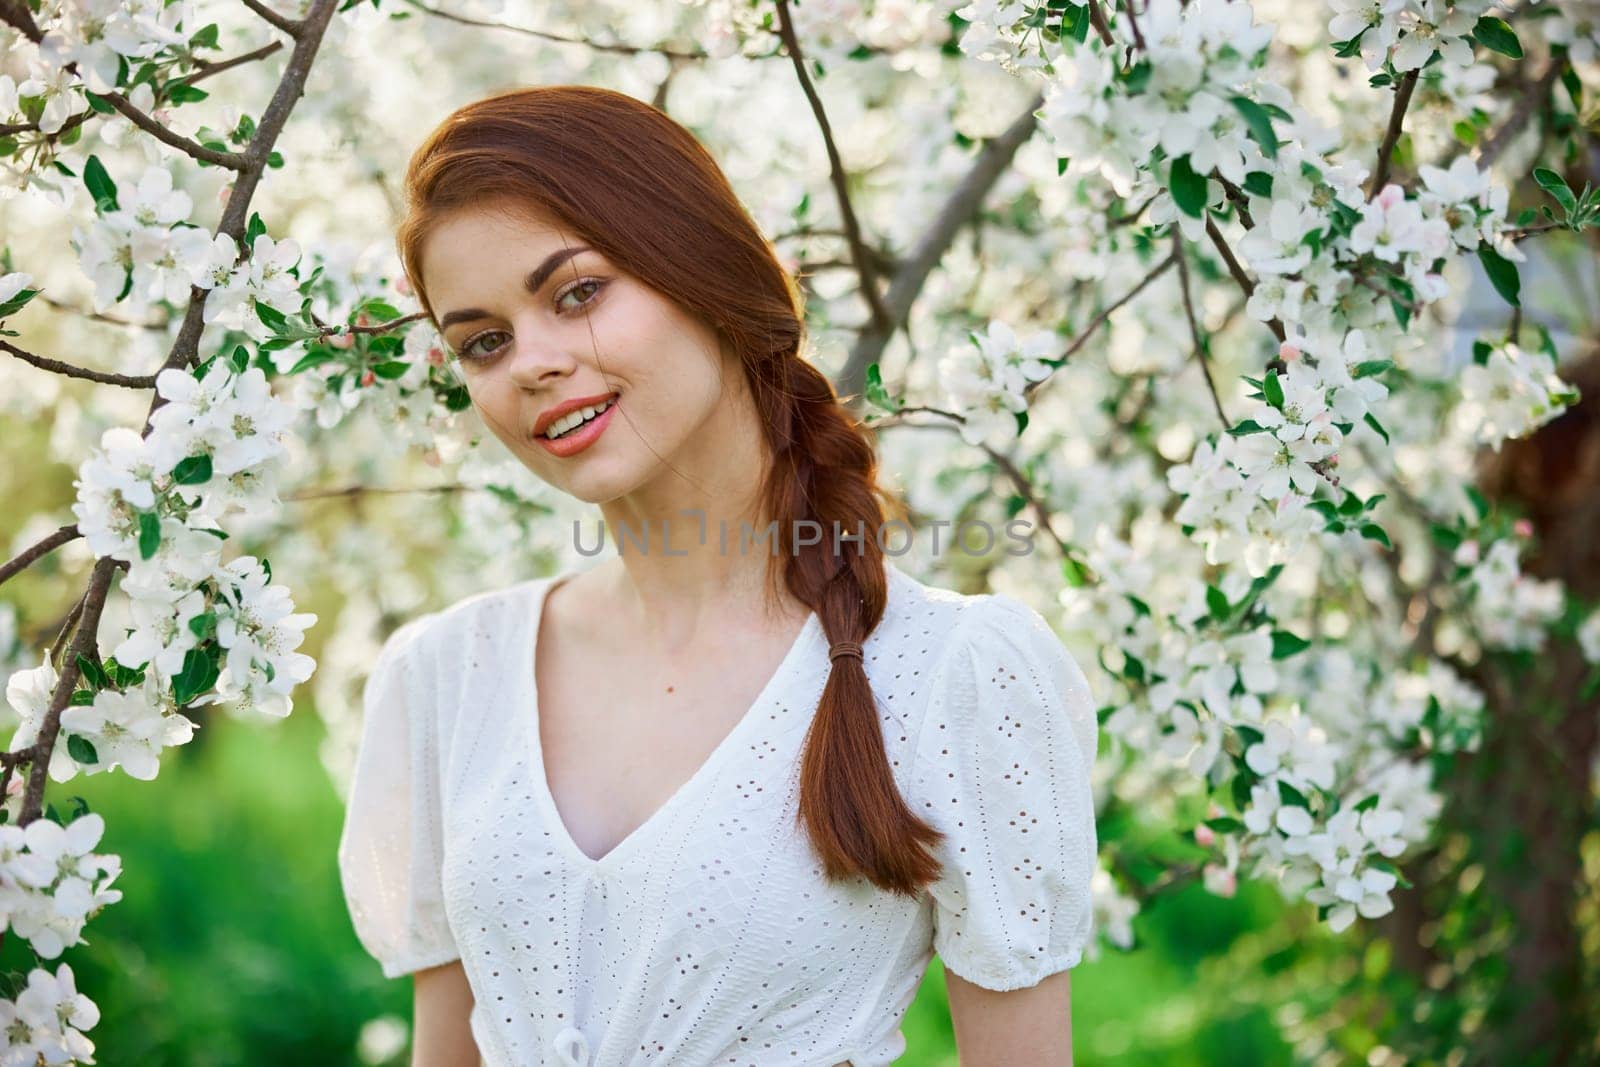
(1032, 1025)
(441, 1031)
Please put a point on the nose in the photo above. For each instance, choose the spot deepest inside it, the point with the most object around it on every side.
(535, 360)
(571, 1048)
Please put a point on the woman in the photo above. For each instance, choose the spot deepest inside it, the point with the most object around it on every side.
(711, 802)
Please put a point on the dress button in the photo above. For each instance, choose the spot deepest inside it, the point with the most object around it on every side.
(571, 1048)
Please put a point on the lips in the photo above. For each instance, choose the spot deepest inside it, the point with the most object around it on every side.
(567, 407)
(580, 437)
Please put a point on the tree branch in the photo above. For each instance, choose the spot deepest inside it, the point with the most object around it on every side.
(958, 210)
(282, 22)
(230, 160)
(208, 69)
(308, 37)
(1397, 114)
(1201, 354)
(1100, 320)
(556, 38)
(127, 381)
(841, 184)
(38, 550)
(17, 13)
(1097, 19)
(1239, 274)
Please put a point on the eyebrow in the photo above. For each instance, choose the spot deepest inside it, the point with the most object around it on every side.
(533, 283)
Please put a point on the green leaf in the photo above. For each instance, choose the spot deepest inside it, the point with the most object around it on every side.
(193, 470)
(1217, 603)
(1367, 804)
(1556, 186)
(1188, 188)
(1369, 367)
(1502, 274)
(99, 104)
(184, 93)
(1225, 825)
(205, 38)
(271, 317)
(149, 534)
(17, 303)
(1272, 389)
(100, 185)
(1495, 35)
(381, 310)
(92, 672)
(1258, 183)
(1292, 796)
(82, 698)
(1377, 427)
(1347, 49)
(1248, 426)
(1260, 123)
(1286, 644)
(199, 674)
(392, 368)
(82, 749)
(877, 395)
(203, 625)
(1373, 532)
(255, 228)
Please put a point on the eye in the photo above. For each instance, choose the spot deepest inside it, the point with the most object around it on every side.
(472, 350)
(592, 285)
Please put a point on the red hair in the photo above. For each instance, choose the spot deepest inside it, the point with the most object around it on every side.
(640, 189)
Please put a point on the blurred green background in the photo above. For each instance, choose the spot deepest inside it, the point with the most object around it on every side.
(232, 946)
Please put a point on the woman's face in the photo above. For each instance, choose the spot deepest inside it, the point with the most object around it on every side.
(537, 320)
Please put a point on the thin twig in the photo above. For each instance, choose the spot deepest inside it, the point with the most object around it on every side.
(1097, 19)
(1201, 354)
(282, 22)
(147, 123)
(836, 172)
(1133, 25)
(96, 316)
(376, 327)
(39, 549)
(373, 490)
(1410, 305)
(1100, 320)
(544, 35)
(207, 69)
(1397, 115)
(127, 381)
(1239, 274)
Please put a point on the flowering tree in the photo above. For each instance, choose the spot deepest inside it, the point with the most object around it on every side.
(1185, 282)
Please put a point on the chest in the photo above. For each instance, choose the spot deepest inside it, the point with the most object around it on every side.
(621, 736)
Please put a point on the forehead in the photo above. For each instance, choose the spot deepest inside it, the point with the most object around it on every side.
(471, 247)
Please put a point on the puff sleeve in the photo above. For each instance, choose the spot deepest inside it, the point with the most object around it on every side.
(391, 848)
(1004, 757)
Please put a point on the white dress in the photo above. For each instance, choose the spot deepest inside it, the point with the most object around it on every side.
(708, 935)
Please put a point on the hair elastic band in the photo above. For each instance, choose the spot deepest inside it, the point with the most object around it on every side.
(845, 648)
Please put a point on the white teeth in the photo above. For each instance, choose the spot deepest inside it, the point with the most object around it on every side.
(574, 418)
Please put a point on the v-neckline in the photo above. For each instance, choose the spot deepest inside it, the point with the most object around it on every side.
(528, 651)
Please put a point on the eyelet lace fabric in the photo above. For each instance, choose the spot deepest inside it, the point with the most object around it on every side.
(709, 936)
